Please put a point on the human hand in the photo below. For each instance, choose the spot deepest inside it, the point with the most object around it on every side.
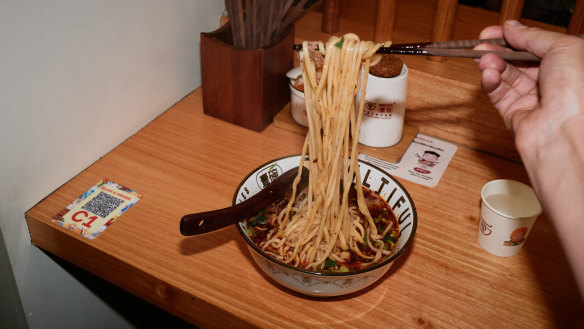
(544, 106)
(535, 101)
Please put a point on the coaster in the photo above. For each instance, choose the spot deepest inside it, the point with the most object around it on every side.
(393, 154)
(424, 162)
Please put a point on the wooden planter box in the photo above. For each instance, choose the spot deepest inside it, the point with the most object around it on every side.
(246, 87)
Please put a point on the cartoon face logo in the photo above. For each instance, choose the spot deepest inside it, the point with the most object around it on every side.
(429, 159)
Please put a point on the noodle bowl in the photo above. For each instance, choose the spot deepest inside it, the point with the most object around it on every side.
(334, 225)
(330, 283)
(327, 226)
(263, 229)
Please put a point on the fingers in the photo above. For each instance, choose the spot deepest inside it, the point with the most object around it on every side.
(508, 87)
(492, 66)
(520, 37)
(515, 88)
(491, 80)
(492, 32)
(532, 39)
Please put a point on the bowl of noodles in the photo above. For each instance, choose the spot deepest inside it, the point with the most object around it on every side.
(345, 221)
(342, 270)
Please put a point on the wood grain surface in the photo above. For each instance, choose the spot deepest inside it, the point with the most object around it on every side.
(181, 164)
(185, 161)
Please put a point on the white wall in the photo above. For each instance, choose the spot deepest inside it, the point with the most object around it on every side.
(77, 77)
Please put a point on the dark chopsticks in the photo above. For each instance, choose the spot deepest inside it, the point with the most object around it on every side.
(455, 48)
(455, 52)
(259, 23)
(454, 44)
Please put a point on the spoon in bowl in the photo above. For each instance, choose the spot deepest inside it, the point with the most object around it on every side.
(208, 221)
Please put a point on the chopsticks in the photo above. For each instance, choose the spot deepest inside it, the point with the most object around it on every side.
(455, 49)
(258, 23)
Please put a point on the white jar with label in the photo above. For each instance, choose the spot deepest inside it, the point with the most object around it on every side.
(384, 109)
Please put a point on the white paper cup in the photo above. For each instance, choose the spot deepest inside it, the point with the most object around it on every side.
(508, 212)
(384, 110)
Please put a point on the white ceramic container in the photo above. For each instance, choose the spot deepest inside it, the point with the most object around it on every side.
(384, 110)
(297, 103)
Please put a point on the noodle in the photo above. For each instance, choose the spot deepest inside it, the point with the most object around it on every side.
(322, 224)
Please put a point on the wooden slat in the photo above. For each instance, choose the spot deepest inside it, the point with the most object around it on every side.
(443, 22)
(330, 16)
(511, 9)
(385, 20)
(576, 25)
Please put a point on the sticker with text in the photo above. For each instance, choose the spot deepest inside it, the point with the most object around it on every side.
(97, 209)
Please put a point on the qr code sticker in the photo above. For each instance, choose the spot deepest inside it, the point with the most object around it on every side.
(103, 204)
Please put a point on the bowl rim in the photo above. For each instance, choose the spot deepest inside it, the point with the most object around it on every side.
(389, 260)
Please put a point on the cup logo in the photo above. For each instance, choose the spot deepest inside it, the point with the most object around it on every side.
(484, 227)
(378, 110)
(516, 238)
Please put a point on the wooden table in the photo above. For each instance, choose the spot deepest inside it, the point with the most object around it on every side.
(185, 161)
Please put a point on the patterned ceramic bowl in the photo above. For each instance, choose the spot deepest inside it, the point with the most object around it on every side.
(326, 284)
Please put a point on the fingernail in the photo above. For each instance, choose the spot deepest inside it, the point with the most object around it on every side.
(514, 23)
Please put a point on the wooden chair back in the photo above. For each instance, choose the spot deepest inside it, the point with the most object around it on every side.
(445, 14)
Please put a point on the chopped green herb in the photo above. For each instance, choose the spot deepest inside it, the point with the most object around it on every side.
(329, 263)
(259, 219)
(340, 43)
(391, 237)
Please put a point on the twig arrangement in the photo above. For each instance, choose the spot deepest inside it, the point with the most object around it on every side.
(257, 23)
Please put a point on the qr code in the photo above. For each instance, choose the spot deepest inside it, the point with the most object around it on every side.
(103, 204)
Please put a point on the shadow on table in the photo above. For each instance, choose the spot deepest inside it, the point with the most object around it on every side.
(191, 245)
(552, 270)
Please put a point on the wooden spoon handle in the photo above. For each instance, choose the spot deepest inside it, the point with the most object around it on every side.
(203, 222)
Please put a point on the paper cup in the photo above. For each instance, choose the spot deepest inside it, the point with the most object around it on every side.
(384, 110)
(508, 211)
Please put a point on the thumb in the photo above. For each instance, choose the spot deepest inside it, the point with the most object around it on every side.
(532, 39)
